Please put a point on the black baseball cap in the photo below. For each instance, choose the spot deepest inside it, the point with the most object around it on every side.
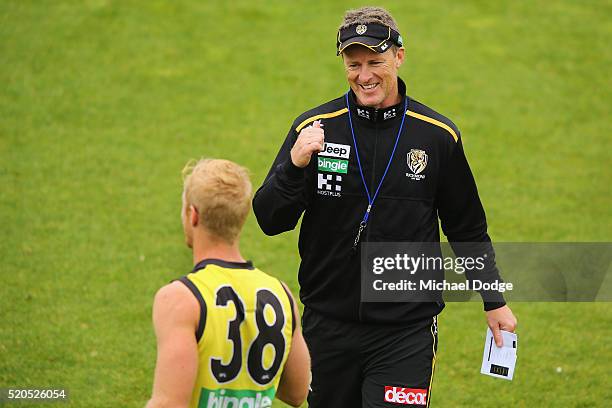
(375, 36)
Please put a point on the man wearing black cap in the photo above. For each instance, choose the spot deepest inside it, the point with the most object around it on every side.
(373, 165)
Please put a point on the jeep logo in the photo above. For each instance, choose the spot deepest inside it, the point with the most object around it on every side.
(336, 150)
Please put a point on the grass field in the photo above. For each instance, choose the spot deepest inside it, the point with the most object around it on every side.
(102, 103)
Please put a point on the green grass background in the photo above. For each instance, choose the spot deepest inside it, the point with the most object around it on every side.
(103, 102)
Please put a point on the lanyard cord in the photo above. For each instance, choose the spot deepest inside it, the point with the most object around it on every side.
(371, 199)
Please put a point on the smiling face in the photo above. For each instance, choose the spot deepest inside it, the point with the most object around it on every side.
(373, 76)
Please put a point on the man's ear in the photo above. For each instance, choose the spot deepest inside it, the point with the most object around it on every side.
(399, 57)
(194, 216)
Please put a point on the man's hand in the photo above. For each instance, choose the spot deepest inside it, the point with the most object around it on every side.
(501, 319)
(309, 141)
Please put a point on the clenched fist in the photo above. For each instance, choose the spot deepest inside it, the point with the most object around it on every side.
(309, 141)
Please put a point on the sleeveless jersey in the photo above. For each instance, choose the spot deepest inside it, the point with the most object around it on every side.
(244, 334)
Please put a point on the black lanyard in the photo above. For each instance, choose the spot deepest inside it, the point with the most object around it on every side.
(371, 199)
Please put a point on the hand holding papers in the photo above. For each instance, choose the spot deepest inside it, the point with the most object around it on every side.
(499, 361)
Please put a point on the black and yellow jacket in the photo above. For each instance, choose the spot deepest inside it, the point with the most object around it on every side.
(438, 184)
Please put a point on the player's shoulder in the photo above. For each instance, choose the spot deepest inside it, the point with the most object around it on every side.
(172, 292)
(330, 109)
(437, 122)
(175, 298)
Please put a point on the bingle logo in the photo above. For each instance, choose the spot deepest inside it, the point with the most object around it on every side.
(236, 398)
(406, 396)
(332, 165)
(336, 150)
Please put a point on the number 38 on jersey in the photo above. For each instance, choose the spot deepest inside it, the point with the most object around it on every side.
(263, 344)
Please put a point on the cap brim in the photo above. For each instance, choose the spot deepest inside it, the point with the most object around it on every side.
(375, 44)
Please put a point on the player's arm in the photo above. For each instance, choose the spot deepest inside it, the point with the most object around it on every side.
(295, 379)
(175, 318)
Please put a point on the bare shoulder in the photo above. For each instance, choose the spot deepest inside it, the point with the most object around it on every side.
(175, 299)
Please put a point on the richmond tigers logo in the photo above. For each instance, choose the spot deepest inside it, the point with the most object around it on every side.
(417, 160)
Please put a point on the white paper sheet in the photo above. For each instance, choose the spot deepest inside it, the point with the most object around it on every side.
(499, 361)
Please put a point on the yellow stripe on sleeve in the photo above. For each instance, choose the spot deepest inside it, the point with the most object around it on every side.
(433, 360)
(321, 116)
(433, 122)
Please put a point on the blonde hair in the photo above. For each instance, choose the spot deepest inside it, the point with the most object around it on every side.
(221, 191)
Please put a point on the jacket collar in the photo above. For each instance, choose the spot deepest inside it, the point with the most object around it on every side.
(379, 115)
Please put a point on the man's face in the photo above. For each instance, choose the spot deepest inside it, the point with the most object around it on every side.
(373, 76)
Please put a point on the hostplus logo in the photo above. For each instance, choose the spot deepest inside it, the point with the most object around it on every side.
(329, 184)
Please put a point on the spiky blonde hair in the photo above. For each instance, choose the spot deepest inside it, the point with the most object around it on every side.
(221, 192)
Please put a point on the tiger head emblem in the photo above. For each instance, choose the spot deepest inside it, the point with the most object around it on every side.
(417, 160)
